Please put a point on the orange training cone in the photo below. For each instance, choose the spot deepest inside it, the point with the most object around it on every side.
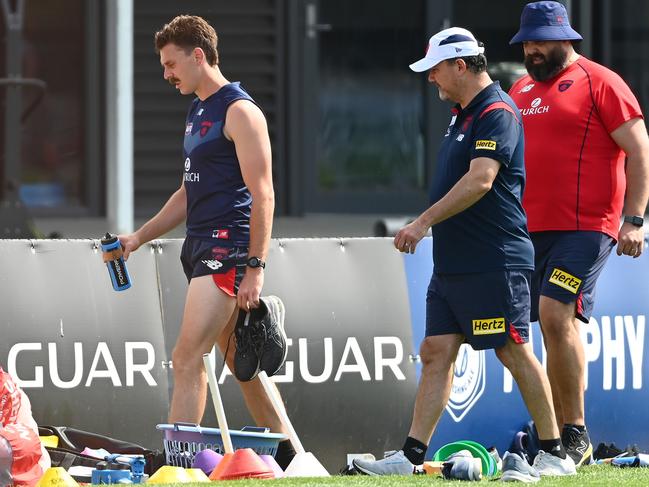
(244, 463)
(216, 473)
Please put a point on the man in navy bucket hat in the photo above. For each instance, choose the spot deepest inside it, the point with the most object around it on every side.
(545, 21)
(582, 122)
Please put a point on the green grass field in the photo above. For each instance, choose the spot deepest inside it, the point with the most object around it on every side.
(604, 475)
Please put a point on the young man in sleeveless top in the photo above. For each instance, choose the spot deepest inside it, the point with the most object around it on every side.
(226, 197)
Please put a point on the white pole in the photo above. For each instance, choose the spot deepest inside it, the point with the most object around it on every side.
(218, 403)
(119, 147)
(281, 412)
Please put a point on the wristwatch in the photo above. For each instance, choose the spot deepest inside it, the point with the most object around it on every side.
(638, 221)
(255, 262)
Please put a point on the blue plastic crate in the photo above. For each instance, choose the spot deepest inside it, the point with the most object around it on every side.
(182, 441)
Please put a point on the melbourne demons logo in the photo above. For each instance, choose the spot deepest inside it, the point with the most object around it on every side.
(466, 123)
(469, 377)
(205, 127)
(565, 84)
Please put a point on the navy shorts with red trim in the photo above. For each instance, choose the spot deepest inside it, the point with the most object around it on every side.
(226, 265)
(485, 307)
(567, 265)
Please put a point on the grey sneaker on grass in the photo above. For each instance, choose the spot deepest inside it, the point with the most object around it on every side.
(516, 469)
(394, 463)
(462, 466)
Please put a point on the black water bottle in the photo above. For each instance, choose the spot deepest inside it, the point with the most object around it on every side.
(114, 259)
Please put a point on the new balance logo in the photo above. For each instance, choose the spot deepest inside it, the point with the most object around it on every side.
(582, 448)
(212, 264)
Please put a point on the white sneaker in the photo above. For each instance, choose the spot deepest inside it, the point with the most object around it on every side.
(549, 465)
(394, 463)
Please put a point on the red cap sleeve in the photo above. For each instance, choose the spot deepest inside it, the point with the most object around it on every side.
(615, 101)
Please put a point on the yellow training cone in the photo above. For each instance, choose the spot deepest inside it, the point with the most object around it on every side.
(169, 475)
(197, 475)
(51, 441)
(57, 477)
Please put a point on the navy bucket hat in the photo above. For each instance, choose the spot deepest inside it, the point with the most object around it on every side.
(545, 21)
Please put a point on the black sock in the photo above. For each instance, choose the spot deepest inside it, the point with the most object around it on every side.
(580, 428)
(285, 453)
(554, 447)
(414, 450)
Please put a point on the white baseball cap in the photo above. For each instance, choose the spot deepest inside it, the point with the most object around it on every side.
(448, 44)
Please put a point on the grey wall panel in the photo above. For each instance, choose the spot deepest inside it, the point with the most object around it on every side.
(348, 323)
(87, 356)
(172, 287)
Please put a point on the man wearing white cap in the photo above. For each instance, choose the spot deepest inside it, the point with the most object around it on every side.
(587, 163)
(483, 257)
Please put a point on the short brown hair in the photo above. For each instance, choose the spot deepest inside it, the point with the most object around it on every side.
(476, 64)
(189, 32)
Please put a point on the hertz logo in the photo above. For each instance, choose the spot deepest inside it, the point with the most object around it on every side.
(490, 326)
(565, 280)
(485, 144)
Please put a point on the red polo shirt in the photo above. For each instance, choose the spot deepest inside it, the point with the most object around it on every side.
(575, 170)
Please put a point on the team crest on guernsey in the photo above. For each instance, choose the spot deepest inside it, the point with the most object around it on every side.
(469, 375)
(220, 253)
(205, 127)
(466, 123)
(565, 84)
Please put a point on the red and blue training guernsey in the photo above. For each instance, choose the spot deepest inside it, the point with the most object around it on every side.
(218, 201)
(491, 235)
(575, 170)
